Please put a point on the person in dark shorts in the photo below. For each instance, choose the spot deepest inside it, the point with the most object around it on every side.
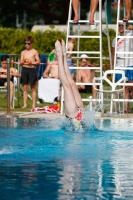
(3, 81)
(29, 59)
(28, 75)
(3, 76)
(87, 89)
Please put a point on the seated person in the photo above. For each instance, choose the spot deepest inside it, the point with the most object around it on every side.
(3, 77)
(51, 70)
(86, 76)
(49, 85)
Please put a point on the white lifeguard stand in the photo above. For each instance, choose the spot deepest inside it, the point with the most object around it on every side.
(126, 54)
(97, 28)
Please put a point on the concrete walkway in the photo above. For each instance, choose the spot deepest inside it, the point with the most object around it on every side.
(31, 115)
(57, 115)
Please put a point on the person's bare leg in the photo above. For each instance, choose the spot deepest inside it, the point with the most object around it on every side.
(25, 95)
(69, 77)
(93, 8)
(128, 5)
(33, 88)
(11, 92)
(75, 4)
(94, 95)
(131, 88)
(94, 92)
(71, 108)
(127, 97)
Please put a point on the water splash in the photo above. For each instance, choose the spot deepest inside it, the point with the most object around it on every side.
(87, 122)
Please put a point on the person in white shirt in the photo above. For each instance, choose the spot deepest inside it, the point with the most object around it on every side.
(124, 45)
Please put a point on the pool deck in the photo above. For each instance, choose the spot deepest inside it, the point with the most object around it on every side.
(58, 115)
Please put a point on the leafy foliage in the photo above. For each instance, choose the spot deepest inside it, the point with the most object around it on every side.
(47, 10)
(11, 41)
(31, 11)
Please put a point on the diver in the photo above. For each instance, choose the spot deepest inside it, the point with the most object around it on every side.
(72, 100)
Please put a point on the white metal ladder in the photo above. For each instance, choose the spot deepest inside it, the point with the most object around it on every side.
(99, 56)
(124, 55)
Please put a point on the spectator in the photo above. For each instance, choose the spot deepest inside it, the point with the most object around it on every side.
(86, 76)
(49, 85)
(51, 70)
(3, 77)
(29, 59)
(124, 45)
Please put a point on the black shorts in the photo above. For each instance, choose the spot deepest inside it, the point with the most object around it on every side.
(28, 75)
(88, 89)
(3, 81)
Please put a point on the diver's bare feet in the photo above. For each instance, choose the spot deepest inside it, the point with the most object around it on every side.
(58, 48)
(63, 47)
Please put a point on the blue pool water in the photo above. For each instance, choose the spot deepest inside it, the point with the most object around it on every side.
(41, 159)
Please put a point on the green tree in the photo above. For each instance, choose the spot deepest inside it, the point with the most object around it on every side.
(49, 11)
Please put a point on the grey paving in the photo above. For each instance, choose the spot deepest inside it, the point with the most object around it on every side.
(58, 115)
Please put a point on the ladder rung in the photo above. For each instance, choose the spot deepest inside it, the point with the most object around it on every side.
(84, 83)
(127, 52)
(127, 84)
(88, 57)
(81, 52)
(85, 68)
(129, 21)
(123, 68)
(89, 31)
(86, 99)
(83, 36)
(123, 100)
(84, 21)
(124, 36)
(103, 58)
(125, 57)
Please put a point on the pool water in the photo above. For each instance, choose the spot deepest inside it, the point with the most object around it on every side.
(41, 159)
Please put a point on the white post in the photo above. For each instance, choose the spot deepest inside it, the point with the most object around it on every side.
(8, 85)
